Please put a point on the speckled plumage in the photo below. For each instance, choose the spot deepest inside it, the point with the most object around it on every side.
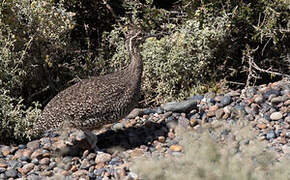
(92, 103)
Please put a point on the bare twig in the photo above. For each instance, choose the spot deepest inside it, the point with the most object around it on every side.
(268, 71)
(114, 15)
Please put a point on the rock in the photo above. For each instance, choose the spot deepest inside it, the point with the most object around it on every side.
(134, 113)
(161, 139)
(226, 100)
(262, 126)
(2, 170)
(46, 173)
(136, 153)
(234, 93)
(27, 152)
(118, 126)
(91, 156)
(219, 113)
(271, 92)
(33, 145)
(218, 98)
(103, 157)
(36, 154)
(27, 168)
(171, 135)
(270, 135)
(196, 98)
(183, 122)
(3, 176)
(5, 150)
(212, 110)
(11, 173)
(85, 164)
(14, 164)
(80, 173)
(258, 98)
(193, 122)
(44, 161)
(184, 106)
(276, 116)
(286, 103)
(3, 164)
(227, 109)
(148, 111)
(176, 148)
(278, 99)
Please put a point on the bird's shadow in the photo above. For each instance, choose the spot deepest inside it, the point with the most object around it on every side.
(132, 137)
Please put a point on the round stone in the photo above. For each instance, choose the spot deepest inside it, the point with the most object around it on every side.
(25, 158)
(85, 164)
(262, 126)
(103, 157)
(270, 135)
(14, 164)
(176, 148)
(258, 98)
(3, 164)
(21, 146)
(184, 106)
(226, 100)
(27, 167)
(44, 161)
(219, 113)
(2, 170)
(118, 126)
(161, 139)
(277, 100)
(11, 173)
(33, 145)
(276, 116)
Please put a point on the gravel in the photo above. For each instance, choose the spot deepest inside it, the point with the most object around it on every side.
(151, 131)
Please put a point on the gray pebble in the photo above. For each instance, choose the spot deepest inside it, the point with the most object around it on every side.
(184, 106)
(148, 111)
(118, 126)
(226, 100)
(3, 176)
(270, 135)
(2, 170)
(21, 146)
(35, 161)
(11, 173)
(25, 158)
(278, 99)
(259, 99)
(271, 91)
(14, 164)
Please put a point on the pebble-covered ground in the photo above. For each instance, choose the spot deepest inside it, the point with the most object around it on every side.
(150, 132)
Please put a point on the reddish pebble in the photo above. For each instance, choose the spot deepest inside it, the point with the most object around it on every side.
(176, 148)
(171, 135)
(261, 126)
(161, 139)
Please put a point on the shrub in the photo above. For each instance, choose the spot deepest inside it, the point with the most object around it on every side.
(31, 35)
(218, 152)
(15, 118)
(177, 63)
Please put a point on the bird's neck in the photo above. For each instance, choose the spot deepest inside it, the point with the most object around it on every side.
(136, 65)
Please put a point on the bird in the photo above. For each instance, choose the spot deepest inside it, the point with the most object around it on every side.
(94, 102)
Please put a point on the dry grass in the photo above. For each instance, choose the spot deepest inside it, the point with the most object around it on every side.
(219, 152)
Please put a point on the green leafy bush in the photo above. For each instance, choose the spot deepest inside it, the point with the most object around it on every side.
(15, 119)
(31, 35)
(177, 63)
